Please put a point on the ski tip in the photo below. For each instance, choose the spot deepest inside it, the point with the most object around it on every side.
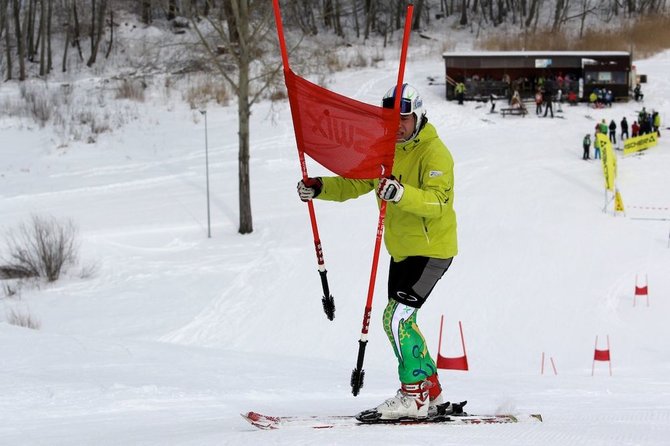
(260, 421)
(537, 416)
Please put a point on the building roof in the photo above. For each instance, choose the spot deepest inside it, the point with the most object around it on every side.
(533, 53)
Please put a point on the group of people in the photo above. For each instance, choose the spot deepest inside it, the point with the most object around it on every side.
(601, 98)
(646, 123)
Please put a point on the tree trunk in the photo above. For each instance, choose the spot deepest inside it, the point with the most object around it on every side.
(531, 12)
(92, 30)
(76, 34)
(368, 18)
(29, 30)
(244, 111)
(43, 38)
(146, 12)
(418, 10)
(464, 13)
(68, 34)
(232, 21)
(354, 10)
(19, 39)
(173, 10)
(96, 32)
(111, 32)
(8, 51)
(50, 65)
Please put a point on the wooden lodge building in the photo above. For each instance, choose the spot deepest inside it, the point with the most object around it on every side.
(501, 72)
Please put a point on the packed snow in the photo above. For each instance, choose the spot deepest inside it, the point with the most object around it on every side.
(163, 336)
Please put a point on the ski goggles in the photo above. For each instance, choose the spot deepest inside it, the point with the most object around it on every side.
(406, 106)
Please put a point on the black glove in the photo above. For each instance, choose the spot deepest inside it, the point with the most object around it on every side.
(309, 188)
(390, 189)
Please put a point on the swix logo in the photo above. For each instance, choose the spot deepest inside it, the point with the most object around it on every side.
(333, 129)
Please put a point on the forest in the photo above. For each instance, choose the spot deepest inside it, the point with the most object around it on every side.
(44, 33)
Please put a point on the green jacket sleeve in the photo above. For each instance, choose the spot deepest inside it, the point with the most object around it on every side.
(342, 189)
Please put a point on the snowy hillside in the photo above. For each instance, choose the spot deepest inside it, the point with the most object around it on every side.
(174, 334)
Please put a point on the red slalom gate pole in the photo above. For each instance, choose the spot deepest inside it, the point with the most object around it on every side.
(327, 300)
(358, 374)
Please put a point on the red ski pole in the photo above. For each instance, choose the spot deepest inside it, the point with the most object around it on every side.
(327, 299)
(358, 373)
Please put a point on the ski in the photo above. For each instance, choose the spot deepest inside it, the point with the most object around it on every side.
(267, 422)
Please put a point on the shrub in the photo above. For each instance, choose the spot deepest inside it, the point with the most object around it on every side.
(131, 89)
(42, 248)
(22, 319)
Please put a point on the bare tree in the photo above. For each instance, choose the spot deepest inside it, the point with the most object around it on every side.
(4, 25)
(97, 29)
(250, 47)
(146, 12)
(16, 7)
(464, 13)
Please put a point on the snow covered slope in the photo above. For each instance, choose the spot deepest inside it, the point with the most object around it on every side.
(175, 334)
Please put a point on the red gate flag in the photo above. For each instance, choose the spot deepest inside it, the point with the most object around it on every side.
(350, 138)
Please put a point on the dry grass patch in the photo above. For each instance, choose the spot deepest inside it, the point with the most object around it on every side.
(22, 319)
(645, 37)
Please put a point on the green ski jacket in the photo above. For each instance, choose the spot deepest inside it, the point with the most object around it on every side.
(423, 222)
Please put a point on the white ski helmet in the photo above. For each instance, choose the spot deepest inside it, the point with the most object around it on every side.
(410, 102)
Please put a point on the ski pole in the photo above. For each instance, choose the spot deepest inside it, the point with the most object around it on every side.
(328, 301)
(358, 373)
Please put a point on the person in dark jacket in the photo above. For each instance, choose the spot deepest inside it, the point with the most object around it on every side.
(547, 94)
(586, 144)
(613, 131)
(624, 128)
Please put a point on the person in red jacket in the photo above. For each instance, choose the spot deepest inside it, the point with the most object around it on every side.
(635, 128)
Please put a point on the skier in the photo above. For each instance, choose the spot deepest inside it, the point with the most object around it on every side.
(420, 236)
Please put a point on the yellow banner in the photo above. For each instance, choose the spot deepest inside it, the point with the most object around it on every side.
(639, 143)
(618, 202)
(609, 160)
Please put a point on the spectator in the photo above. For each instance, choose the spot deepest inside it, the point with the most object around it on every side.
(546, 98)
(596, 148)
(538, 102)
(602, 127)
(635, 128)
(572, 97)
(637, 92)
(460, 92)
(586, 144)
(657, 123)
(609, 98)
(613, 132)
(624, 128)
(593, 99)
